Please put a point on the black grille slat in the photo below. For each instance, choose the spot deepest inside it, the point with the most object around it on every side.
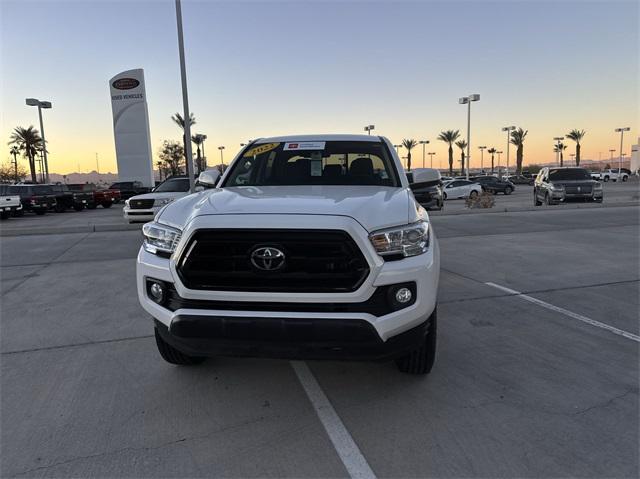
(141, 204)
(316, 261)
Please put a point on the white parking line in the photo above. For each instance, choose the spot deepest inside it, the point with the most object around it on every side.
(566, 312)
(353, 460)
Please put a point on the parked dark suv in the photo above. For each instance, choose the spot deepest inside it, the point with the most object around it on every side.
(558, 185)
(494, 185)
(129, 188)
(66, 198)
(35, 198)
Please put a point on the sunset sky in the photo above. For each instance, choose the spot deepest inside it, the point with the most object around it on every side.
(269, 68)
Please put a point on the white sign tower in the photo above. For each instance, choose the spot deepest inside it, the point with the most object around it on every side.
(131, 127)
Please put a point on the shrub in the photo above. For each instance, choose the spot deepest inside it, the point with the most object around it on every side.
(483, 200)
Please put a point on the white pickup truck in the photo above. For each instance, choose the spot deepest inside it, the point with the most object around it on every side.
(308, 247)
(9, 204)
(613, 174)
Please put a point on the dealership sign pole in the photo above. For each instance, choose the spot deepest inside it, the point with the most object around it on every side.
(185, 100)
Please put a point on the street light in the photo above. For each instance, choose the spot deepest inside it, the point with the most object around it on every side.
(573, 156)
(482, 148)
(423, 143)
(41, 105)
(621, 131)
(221, 154)
(611, 156)
(431, 153)
(369, 128)
(499, 153)
(466, 100)
(558, 139)
(185, 100)
(508, 129)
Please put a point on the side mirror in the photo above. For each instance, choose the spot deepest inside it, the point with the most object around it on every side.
(425, 177)
(199, 188)
(209, 178)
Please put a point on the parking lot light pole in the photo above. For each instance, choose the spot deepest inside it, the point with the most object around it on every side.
(508, 129)
(204, 156)
(41, 105)
(621, 131)
(369, 128)
(185, 100)
(431, 153)
(499, 153)
(423, 143)
(558, 139)
(466, 100)
(611, 152)
(482, 148)
(221, 148)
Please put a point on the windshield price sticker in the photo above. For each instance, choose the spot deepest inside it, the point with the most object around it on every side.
(304, 145)
(258, 150)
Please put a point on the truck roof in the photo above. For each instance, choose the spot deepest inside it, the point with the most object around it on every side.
(327, 137)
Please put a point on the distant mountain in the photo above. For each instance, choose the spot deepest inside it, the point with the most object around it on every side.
(91, 177)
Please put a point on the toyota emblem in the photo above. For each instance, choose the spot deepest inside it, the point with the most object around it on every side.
(267, 258)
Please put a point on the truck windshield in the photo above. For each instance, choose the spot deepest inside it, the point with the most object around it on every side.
(314, 163)
(569, 174)
(177, 184)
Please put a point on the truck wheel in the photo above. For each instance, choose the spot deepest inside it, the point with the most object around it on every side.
(420, 360)
(106, 204)
(5, 215)
(60, 208)
(91, 206)
(606, 178)
(625, 178)
(172, 355)
(507, 190)
(78, 207)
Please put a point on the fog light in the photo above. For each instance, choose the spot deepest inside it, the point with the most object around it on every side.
(156, 292)
(403, 295)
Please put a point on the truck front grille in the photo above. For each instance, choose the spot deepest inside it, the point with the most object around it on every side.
(578, 189)
(141, 204)
(315, 261)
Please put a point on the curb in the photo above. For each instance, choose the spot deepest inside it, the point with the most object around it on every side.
(53, 230)
(585, 206)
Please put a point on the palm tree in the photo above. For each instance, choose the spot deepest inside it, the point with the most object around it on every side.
(178, 120)
(28, 141)
(198, 139)
(15, 151)
(409, 144)
(517, 139)
(560, 147)
(577, 136)
(492, 151)
(449, 136)
(462, 144)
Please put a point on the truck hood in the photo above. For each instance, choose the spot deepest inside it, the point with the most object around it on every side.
(374, 207)
(160, 195)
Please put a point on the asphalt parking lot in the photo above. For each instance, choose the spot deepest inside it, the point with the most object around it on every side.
(538, 384)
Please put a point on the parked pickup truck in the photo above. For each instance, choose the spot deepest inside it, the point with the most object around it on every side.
(9, 204)
(104, 197)
(308, 247)
(129, 188)
(614, 174)
(66, 198)
(35, 198)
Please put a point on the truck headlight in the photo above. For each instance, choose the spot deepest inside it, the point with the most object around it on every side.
(160, 239)
(597, 186)
(162, 202)
(409, 240)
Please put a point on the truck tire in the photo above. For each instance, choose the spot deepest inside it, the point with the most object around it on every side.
(5, 215)
(625, 178)
(78, 207)
(508, 190)
(172, 355)
(60, 208)
(106, 204)
(606, 178)
(421, 359)
(91, 206)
